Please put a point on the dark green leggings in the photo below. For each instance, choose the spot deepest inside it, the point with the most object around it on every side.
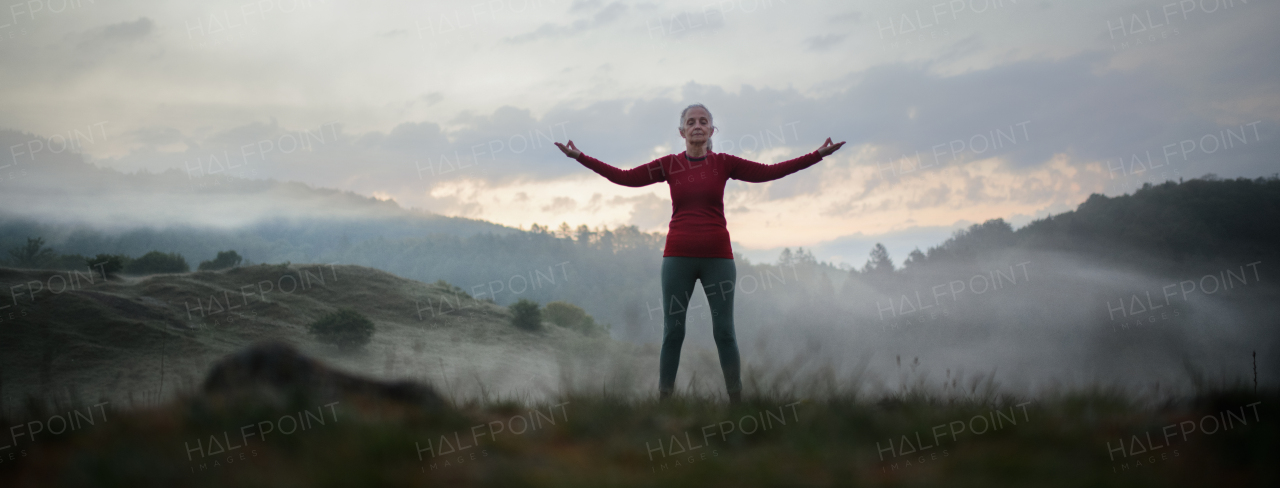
(718, 276)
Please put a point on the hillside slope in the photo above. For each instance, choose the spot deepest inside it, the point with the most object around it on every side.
(1200, 220)
(72, 333)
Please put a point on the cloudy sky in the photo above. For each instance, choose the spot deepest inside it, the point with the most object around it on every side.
(955, 112)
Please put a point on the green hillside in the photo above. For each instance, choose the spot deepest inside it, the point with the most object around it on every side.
(74, 334)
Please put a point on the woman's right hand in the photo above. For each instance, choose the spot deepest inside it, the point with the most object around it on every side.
(569, 150)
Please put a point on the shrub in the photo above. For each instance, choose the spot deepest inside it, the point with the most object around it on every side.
(157, 262)
(572, 317)
(107, 264)
(345, 328)
(525, 315)
(225, 259)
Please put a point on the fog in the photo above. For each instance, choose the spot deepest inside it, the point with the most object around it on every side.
(1023, 320)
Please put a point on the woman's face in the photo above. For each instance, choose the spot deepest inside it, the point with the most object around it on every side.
(697, 126)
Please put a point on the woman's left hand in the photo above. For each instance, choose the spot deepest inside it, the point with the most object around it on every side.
(828, 148)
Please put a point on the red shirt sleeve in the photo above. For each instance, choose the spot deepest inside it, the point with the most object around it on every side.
(645, 174)
(753, 172)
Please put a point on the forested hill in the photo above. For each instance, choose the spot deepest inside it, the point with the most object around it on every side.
(1198, 220)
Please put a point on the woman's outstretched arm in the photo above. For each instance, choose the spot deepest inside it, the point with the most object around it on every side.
(753, 172)
(645, 174)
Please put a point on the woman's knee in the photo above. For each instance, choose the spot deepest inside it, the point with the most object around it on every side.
(673, 331)
(724, 335)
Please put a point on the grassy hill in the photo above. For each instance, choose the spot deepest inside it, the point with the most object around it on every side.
(68, 334)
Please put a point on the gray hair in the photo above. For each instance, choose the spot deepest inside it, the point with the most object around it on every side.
(710, 117)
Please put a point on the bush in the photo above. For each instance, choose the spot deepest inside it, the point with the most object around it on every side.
(345, 328)
(225, 259)
(157, 262)
(572, 317)
(107, 264)
(525, 315)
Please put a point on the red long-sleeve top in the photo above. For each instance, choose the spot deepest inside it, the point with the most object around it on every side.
(698, 228)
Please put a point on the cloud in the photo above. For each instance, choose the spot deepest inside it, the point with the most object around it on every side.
(1019, 107)
(128, 31)
(561, 204)
(155, 135)
(603, 17)
(119, 33)
(823, 42)
(585, 5)
(907, 121)
(647, 211)
(852, 17)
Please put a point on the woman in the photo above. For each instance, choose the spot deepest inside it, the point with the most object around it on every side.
(698, 241)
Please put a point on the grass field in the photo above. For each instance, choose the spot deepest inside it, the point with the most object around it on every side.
(588, 439)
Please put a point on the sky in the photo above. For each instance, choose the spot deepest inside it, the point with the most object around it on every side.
(954, 111)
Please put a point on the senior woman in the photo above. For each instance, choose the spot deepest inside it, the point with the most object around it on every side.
(698, 239)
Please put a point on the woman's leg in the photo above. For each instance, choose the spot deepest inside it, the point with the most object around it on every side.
(719, 276)
(678, 276)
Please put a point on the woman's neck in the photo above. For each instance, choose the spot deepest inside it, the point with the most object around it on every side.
(695, 151)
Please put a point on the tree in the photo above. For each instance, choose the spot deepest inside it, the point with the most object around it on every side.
(978, 239)
(914, 260)
(879, 262)
(572, 317)
(345, 328)
(786, 258)
(805, 257)
(225, 259)
(32, 255)
(606, 241)
(584, 235)
(107, 264)
(525, 315)
(157, 262)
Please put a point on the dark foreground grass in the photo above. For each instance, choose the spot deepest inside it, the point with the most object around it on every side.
(1092, 438)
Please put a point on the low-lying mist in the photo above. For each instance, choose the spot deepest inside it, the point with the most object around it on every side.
(1108, 299)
